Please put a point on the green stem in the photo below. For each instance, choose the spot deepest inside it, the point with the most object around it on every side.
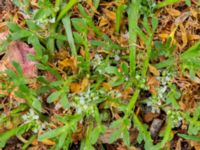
(87, 53)
(133, 15)
(25, 146)
(131, 105)
(146, 60)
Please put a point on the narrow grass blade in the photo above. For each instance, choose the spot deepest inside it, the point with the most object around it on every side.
(166, 2)
(119, 13)
(67, 7)
(189, 137)
(67, 25)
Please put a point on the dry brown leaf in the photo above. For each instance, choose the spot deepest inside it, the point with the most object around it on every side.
(153, 70)
(148, 117)
(184, 36)
(110, 14)
(195, 144)
(194, 12)
(79, 87)
(126, 92)
(153, 83)
(163, 35)
(182, 18)
(192, 37)
(103, 21)
(48, 142)
(173, 12)
(18, 51)
(107, 86)
(3, 36)
(104, 138)
(68, 62)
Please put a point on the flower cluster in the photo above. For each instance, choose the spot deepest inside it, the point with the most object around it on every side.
(155, 101)
(97, 60)
(175, 117)
(85, 101)
(32, 117)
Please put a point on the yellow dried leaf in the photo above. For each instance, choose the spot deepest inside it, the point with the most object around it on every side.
(193, 37)
(75, 87)
(103, 21)
(173, 12)
(84, 84)
(153, 70)
(68, 62)
(194, 13)
(48, 142)
(79, 87)
(184, 36)
(163, 35)
(107, 86)
(110, 14)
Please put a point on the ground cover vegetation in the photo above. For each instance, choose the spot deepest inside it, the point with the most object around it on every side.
(100, 74)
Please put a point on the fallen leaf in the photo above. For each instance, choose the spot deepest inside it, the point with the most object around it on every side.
(182, 18)
(183, 35)
(68, 62)
(107, 86)
(3, 36)
(148, 117)
(18, 51)
(153, 70)
(126, 92)
(48, 142)
(152, 82)
(79, 87)
(173, 12)
(155, 127)
(110, 14)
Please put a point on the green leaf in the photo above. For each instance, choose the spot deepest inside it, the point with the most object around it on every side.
(36, 44)
(115, 135)
(126, 137)
(124, 67)
(52, 133)
(154, 23)
(13, 27)
(37, 104)
(20, 34)
(42, 13)
(32, 25)
(64, 101)
(78, 38)
(166, 2)
(4, 137)
(188, 2)
(18, 68)
(67, 24)
(54, 96)
(96, 3)
(116, 123)
(62, 139)
(79, 24)
(189, 137)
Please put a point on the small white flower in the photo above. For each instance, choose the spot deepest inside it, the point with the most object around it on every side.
(85, 107)
(82, 100)
(117, 58)
(52, 20)
(127, 78)
(79, 111)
